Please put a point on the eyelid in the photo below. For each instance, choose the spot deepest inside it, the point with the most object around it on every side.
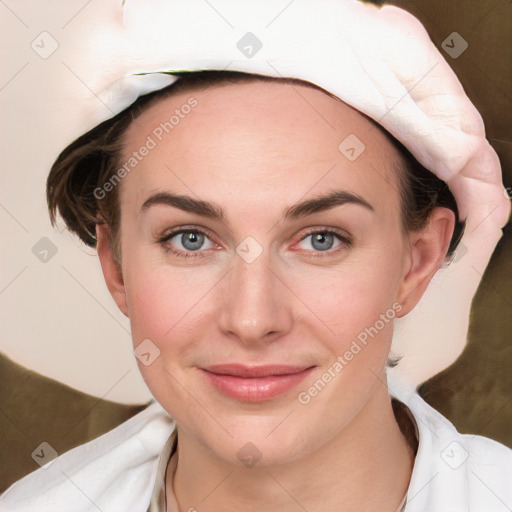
(341, 233)
(186, 229)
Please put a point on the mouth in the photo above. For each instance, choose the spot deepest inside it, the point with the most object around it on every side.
(255, 383)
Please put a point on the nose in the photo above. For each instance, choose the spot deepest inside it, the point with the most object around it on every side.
(256, 303)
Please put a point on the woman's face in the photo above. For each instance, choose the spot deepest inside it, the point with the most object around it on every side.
(260, 286)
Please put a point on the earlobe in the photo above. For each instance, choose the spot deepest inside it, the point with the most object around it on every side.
(428, 248)
(111, 271)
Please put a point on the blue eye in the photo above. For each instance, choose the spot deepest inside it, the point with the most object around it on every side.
(324, 240)
(187, 243)
(191, 241)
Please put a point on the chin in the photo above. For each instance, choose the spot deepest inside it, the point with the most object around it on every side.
(260, 449)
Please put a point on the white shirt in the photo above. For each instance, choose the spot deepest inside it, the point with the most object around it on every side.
(117, 472)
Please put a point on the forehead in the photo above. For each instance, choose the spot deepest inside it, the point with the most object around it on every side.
(258, 138)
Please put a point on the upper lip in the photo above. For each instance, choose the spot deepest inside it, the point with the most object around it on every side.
(241, 370)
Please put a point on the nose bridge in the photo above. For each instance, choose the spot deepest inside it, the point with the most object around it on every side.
(255, 307)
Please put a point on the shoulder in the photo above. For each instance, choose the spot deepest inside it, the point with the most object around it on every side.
(456, 472)
(116, 469)
(488, 472)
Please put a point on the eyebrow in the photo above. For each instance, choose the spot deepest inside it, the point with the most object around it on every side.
(215, 212)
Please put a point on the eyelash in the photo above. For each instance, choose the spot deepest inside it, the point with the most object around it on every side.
(346, 242)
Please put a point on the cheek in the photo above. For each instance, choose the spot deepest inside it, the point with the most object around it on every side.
(350, 298)
(150, 309)
(162, 309)
(357, 307)
(159, 302)
(172, 306)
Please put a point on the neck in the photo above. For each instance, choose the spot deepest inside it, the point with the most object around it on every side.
(366, 467)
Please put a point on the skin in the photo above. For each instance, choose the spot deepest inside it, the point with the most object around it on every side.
(255, 149)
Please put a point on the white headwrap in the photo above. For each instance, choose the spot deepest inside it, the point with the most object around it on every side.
(379, 60)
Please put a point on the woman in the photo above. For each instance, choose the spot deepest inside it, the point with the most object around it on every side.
(262, 235)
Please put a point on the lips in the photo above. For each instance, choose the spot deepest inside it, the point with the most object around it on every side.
(254, 383)
(247, 372)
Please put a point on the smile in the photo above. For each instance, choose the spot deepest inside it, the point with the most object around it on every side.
(255, 384)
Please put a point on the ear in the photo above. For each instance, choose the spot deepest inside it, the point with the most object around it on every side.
(427, 250)
(111, 271)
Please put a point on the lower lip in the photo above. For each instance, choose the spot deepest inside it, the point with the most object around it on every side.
(256, 389)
